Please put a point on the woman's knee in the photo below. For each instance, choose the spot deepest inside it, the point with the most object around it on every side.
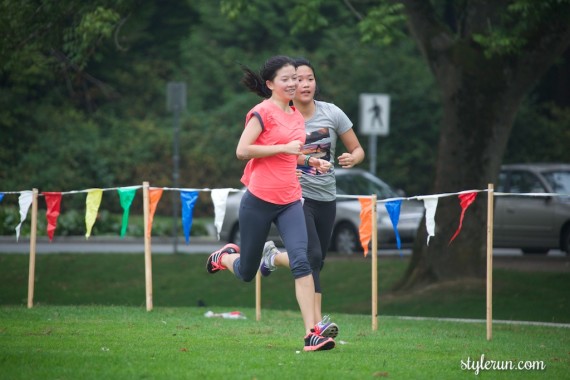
(299, 266)
(248, 275)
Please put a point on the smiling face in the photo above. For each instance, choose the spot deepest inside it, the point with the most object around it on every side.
(284, 85)
(307, 84)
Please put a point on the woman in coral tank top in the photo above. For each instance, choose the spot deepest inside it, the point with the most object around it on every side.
(271, 142)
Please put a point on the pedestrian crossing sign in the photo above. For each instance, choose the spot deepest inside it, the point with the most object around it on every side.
(374, 114)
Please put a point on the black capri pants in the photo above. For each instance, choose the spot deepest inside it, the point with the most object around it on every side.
(255, 218)
(319, 216)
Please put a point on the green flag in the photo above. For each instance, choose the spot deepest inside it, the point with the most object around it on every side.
(126, 195)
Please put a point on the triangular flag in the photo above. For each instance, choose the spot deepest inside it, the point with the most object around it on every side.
(92, 204)
(431, 205)
(219, 198)
(365, 229)
(53, 205)
(188, 199)
(126, 196)
(25, 200)
(465, 201)
(1, 196)
(154, 196)
(393, 208)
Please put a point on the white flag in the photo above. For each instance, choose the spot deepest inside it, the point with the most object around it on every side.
(431, 205)
(219, 198)
(25, 200)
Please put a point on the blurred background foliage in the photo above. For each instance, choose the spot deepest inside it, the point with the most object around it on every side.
(83, 100)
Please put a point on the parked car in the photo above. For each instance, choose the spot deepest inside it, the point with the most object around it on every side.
(345, 238)
(531, 223)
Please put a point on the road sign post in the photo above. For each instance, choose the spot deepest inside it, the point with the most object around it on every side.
(176, 103)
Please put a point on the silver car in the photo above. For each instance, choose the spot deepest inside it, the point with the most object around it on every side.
(531, 223)
(345, 238)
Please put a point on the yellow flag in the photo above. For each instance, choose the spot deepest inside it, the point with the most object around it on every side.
(92, 204)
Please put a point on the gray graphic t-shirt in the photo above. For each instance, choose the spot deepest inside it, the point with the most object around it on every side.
(323, 129)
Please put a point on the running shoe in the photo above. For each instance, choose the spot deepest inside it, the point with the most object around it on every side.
(267, 264)
(326, 328)
(316, 342)
(214, 262)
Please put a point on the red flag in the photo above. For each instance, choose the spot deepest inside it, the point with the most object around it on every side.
(53, 204)
(365, 229)
(154, 196)
(465, 201)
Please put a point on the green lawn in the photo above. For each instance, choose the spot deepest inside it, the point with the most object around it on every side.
(89, 322)
(182, 281)
(118, 342)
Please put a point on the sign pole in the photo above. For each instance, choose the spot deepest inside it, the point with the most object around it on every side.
(373, 143)
(175, 102)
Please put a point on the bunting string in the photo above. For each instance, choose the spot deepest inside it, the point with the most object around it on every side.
(189, 197)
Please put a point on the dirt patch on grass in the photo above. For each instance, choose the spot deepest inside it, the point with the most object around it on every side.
(445, 288)
(525, 263)
(533, 263)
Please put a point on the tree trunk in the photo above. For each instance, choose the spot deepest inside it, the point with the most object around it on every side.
(480, 98)
(476, 125)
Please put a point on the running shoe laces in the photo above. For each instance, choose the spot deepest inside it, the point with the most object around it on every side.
(326, 328)
(214, 262)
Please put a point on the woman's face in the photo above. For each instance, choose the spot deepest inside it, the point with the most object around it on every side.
(307, 84)
(284, 85)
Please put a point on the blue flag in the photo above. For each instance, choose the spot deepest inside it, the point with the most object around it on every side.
(188, 199)
(393, 208)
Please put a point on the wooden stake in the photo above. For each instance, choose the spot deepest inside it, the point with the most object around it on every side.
(147, 251)
(258, 296)
(490, 195)
(374, 253)
(33, 234)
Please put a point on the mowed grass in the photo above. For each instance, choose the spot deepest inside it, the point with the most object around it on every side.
(89, 321)
(181, 280)
(119, 342)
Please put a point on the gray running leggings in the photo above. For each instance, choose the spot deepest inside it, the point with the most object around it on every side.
(255, 218)
(319, 216)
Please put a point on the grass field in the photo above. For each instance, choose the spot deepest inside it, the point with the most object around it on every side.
(181, 280)
(117, 342)
(89, 322)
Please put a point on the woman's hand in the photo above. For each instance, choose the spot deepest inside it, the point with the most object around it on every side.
(322, 165)
(346, 160)
(293, 147)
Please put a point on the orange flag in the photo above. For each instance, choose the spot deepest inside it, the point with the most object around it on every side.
(465, 201)
(154, 196)
(365, 229)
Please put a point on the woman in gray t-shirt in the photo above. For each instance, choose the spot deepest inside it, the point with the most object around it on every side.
(325, 123)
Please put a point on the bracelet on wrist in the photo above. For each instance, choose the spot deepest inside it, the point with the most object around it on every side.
(307, 160)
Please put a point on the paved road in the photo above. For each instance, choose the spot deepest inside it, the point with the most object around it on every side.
(110, 244)
(127, 245)
(78, 244)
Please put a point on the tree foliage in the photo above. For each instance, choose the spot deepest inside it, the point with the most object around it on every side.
(83, 100)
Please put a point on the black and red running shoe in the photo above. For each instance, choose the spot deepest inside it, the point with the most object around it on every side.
(214, 262)
(316, 342)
